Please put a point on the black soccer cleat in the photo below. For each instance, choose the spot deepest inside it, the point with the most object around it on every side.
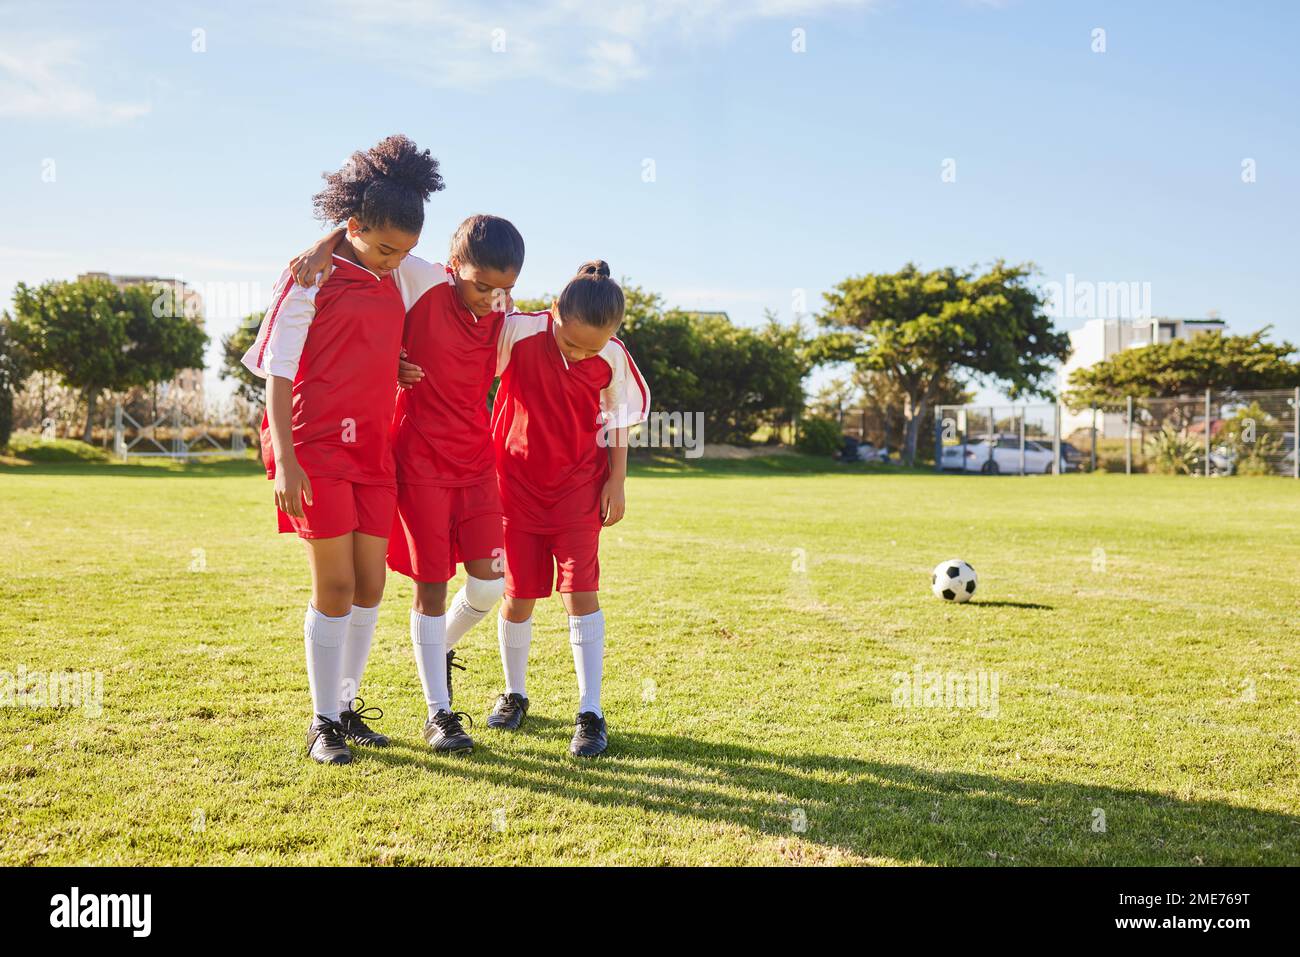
(327, 742)
(353, 720)
(445, 734)
(589, 737)
(452, 662)
(508, 712)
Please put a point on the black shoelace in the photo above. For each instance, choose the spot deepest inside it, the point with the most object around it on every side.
(364, 714)
(453, 662)
(448, 722)
(510, 705)
(589, 724)
(332, 733)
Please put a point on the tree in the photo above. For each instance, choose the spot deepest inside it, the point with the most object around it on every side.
(1207, 361)
(883, 401)
(13, 370)
(666, 346)
(834, 399)
(919, 329)
(233, 346)
(793, 350)
(738, 377)
(97, 337)
(746, 378)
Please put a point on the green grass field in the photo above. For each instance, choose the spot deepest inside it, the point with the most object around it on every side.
(1143, 632)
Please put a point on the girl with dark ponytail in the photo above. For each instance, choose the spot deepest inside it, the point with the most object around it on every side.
(569, 392)
(329, 356)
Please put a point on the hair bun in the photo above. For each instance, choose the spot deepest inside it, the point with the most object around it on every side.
(595, 267)
(401, 162)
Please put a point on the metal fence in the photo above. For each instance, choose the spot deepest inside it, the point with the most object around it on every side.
(996, 440)
(175, 434)
(1215, 433)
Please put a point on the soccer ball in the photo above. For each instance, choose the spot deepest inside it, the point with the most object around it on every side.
(953, 580)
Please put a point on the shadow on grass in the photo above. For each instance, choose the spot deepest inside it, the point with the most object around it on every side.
(789, 463)
(1028, 605)
(658, 465)
(876, 809)
(151, 468)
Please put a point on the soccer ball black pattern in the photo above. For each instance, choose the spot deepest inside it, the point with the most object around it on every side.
(953, 580)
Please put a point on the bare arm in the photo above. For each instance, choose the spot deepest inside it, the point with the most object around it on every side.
(291, 483)
(317, 260)
(613, 501)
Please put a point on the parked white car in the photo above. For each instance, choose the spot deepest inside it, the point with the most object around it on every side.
(1001, 457)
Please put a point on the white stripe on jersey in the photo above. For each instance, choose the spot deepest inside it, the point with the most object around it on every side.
(283, 332)
(416, 276)
(626, 400)
(518, 326)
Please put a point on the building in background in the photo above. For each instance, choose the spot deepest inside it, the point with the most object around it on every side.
(1099, 339)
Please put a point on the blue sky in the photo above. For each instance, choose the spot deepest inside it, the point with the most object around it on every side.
(776, 173)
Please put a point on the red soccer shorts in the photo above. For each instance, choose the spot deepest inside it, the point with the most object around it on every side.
(339, 507)
(571, 554)
(436, 527)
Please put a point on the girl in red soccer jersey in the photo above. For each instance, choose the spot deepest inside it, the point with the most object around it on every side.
(329, 357)
(569, 392)
(448, 507)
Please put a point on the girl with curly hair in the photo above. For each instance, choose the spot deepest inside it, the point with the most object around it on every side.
(448, 503)
(329, 355)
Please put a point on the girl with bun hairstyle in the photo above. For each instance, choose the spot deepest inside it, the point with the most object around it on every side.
(569, 392)
(330, 359)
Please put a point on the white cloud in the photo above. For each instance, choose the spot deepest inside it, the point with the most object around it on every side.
(564, 42)
(44, 79)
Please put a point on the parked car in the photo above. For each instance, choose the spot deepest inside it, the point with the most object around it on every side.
(1002, 456)
(1223, 461)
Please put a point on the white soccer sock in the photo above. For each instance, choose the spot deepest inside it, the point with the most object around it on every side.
(323, 639)
(587, 636)
(513, 638)
(474, 600)
(429, 640)
(356, 651)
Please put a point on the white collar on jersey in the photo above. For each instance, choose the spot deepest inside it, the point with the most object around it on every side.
(344, 259)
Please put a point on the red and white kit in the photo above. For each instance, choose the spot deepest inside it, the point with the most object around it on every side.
(448, 509)
(339, 344)
(547, 421)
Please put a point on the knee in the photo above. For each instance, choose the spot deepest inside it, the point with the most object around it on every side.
(582, 603)
(483, 593)
(517, 610)
(334, 594)
(368, 590)
(431, 598)
(368, 594)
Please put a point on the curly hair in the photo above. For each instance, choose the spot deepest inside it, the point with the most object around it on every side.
(591, 297)
(488, 242)
(385, 185)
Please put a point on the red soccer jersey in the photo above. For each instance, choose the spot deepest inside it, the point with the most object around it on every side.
(441, 429)
(547, 419)
(339, 344)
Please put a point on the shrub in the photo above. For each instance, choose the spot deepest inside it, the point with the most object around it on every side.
(1253, 437)
(819, 436)
(26, 445)
(1170, 452)
(1255, 465)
